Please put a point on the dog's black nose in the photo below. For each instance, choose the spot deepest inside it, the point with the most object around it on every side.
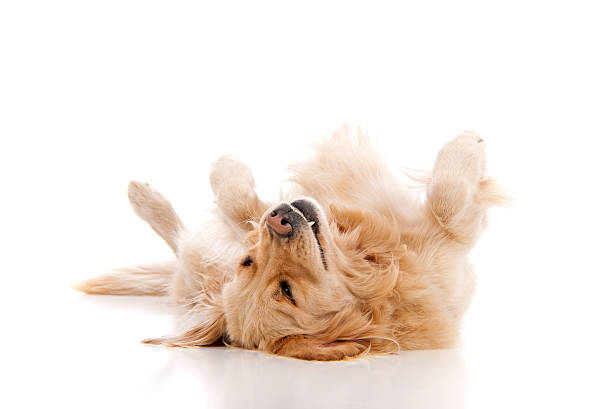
(281, 220)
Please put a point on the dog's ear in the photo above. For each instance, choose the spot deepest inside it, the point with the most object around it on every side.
(367, 230)
(346, 218)
(312, 349)
(207, 332)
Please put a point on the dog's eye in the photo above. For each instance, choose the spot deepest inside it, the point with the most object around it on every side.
(287, 290)
(247, 261)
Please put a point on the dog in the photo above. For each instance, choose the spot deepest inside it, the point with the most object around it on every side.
(352, 262)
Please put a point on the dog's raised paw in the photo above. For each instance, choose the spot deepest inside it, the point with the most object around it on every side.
(144, 199)
(470, 136)
(465, 156)
(228, 168)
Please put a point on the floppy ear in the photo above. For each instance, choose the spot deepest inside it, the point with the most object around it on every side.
(368, 233)
(312, 349)
(205, 333)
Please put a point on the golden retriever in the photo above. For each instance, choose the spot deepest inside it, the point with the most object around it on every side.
(353, 261)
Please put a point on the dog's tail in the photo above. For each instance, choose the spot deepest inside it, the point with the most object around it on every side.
(152, 279)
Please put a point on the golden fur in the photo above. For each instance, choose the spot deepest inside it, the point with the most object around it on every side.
(391, 271)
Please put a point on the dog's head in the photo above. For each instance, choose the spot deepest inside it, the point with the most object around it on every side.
(308, 286)
(288, 296)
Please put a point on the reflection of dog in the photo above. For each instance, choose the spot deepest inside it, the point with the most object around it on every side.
(352, 262)
(242, 379)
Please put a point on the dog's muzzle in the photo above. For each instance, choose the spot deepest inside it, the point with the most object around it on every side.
(286, 219)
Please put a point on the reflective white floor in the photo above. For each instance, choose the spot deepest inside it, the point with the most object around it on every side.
(85, 351)
(106, 364)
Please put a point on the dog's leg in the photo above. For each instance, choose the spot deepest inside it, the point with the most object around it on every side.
(152, 279)
(233, 186)
(156, 210)
(459, 194)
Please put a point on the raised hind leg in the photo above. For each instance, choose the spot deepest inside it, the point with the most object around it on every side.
(459, 193)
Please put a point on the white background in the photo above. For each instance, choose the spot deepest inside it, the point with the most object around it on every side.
(94, 94)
